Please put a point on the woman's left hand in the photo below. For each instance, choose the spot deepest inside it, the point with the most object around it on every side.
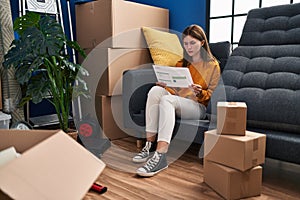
(197, 89)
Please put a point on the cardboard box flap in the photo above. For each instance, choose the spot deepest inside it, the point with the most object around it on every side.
(57, 168)
(23, 140)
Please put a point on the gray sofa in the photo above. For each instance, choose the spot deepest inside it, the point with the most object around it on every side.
(263, 71)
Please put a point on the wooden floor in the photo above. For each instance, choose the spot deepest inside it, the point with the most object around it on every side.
(184, 178)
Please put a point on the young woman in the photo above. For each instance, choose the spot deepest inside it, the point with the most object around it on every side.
(164, 104)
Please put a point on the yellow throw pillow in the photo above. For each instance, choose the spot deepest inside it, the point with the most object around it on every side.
(165, 47)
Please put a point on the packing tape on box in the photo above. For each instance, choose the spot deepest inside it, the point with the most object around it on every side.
(255, 154)
(232, 103)
(255, 144)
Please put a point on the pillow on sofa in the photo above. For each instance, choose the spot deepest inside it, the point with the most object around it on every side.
(221, 50)
(165, 47)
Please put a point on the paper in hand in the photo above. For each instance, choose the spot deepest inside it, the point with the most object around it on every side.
(173, 76)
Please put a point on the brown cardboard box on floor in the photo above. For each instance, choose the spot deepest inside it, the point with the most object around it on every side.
(109, 113)
(238, 152)
(119, 20)
(231, 118)
(52, 165)
(106, 65)
(231, 183)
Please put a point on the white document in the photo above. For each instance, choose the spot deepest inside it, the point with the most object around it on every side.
(173, 76)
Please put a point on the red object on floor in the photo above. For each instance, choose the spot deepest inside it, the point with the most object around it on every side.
(98, 188)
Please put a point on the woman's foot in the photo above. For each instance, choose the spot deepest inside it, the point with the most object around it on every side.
(144, 154)
(157, 163)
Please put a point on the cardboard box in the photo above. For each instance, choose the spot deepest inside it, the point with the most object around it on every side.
(231, 118)
(109, 113)
(231, 183)
(52, 166)
(106, 67)
(238, 152)
(117, 22)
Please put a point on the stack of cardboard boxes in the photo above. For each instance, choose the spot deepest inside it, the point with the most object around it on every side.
(233, 155)
(110, 33)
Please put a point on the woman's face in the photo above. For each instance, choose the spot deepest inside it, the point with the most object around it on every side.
(192, 45)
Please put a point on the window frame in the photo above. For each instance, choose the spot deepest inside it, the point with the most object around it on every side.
(232, 16)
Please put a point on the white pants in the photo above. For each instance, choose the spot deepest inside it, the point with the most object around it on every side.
(162, 109)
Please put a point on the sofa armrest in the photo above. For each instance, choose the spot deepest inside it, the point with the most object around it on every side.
(136, 84)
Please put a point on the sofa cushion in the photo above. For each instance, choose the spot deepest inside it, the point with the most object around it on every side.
(165, 48)
(267, 79)
(275, 25)
(221, 50)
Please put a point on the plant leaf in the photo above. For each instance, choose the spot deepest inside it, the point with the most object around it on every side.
(31, 19)
(75, 45)
(54, 37)
(38, 88)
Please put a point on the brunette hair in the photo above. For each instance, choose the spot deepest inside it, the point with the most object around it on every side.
(197, 32)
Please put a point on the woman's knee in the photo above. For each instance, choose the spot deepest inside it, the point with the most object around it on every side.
(156, 91)
(170, 99)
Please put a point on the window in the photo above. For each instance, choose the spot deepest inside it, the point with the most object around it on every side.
(220, 29)
(238, 27)
(220, 8)
(267, 3)
(226, 18)
(243, 6)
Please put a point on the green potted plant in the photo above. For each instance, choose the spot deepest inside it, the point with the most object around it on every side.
(42, 64)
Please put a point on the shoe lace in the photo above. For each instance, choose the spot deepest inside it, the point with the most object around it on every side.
(145, 150)
(151, 163)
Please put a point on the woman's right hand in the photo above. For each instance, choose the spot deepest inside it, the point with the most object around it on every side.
(170, 89)
(161, 84)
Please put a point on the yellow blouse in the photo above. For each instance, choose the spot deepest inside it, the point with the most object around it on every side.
(206, 74)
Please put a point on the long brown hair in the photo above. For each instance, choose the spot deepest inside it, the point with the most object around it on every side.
(197, 32)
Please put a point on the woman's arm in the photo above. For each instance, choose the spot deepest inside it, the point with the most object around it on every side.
(205, 94)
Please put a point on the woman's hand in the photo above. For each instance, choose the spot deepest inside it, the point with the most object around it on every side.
(161, 84)
(164, 85)
(197, 89)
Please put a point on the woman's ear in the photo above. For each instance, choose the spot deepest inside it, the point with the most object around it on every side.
(202, 42)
